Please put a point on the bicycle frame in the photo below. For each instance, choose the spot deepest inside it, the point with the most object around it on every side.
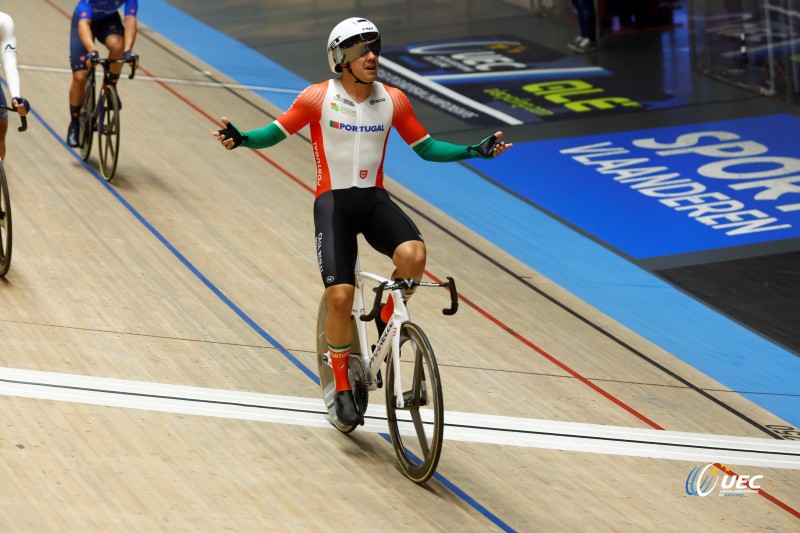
(91, 83)
(382, 347)
(422, 405)
(96, 116)
(399, 316)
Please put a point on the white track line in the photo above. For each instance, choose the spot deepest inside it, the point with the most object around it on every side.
(177, 81)
(467, 427)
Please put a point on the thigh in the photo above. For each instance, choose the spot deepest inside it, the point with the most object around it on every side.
(3, 102)
(388, 226)
(336, 240)
(103, 28)
(77, 52)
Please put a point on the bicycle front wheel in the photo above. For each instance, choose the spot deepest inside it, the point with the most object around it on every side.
(417, 428)
(108, 132)
(87, 121)
(5, 224)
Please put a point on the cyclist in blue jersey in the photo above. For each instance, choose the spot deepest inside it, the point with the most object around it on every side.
(98, 19)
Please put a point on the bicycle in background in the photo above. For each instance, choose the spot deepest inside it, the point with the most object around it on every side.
(6, 235)
(100, 112)
(414, 401)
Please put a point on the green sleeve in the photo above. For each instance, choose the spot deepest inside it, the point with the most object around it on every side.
(442, 152)
(269, 135)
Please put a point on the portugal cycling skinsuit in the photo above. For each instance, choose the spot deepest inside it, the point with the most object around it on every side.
(349, 144)
(105, 21)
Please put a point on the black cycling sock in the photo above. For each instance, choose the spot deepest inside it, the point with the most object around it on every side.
(74, 111)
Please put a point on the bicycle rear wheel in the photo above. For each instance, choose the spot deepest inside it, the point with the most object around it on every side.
(86, 120)
(5, 224)
(108, 132)
(417, 428)
(326, 380)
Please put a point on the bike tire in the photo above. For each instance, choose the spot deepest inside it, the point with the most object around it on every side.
(86, 120)
(326, 380)
(417, 429)
(5, 224)
(108, 132)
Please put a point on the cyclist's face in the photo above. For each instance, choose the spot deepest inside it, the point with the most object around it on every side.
(365, 67)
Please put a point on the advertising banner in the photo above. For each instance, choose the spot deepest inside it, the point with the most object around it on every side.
(508, 80)
(666, 191)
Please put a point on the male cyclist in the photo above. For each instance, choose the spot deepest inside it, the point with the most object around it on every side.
(350, 118)
(97, 19)
(8, 42)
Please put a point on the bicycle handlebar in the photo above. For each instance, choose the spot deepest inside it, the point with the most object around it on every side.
(106, 62)
(450, 284)
(23, 119)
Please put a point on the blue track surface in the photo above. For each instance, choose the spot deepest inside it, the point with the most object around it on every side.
(715, 345)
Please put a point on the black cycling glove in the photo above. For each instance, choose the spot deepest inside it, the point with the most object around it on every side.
(230, 132)
(485, 148)
(23, 102)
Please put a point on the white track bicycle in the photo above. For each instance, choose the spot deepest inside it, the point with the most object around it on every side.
(414, 404)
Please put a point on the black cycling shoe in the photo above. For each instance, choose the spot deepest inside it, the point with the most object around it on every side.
(72, 134)
(346, 409)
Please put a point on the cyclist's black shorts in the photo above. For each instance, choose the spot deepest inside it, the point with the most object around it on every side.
(341, 214)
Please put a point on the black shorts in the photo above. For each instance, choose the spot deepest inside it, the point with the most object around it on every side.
(340, 215)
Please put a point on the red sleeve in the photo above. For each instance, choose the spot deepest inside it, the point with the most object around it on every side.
(404, 119)
(306, 108)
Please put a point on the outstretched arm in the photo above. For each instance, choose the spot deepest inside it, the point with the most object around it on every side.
(8, 42)
(440, 151)
(231, 137)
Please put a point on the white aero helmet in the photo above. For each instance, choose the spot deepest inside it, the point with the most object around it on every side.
(351, 39)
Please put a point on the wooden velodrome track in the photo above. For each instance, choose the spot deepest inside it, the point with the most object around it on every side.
(157, 335)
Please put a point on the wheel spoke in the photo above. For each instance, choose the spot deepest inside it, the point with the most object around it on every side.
(419, 428)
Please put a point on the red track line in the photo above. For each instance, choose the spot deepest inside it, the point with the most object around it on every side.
(219, 123)
(762, 492)
(553, 360)
(51, 4)
(202, 112)
(516, 335)
(491, 318)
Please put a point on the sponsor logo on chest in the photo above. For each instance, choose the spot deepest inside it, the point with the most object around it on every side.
(373, 128)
